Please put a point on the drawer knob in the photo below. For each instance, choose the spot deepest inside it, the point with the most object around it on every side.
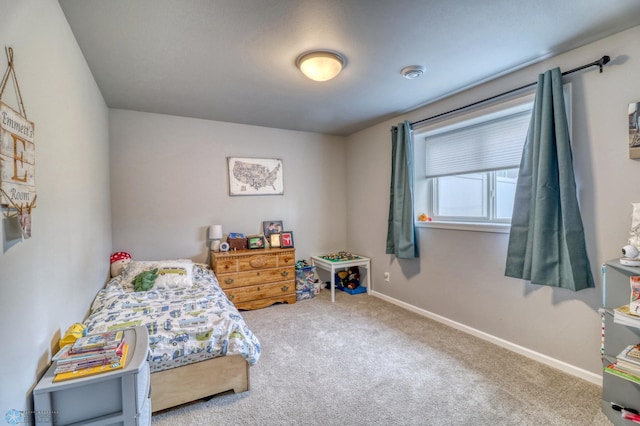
(231, 297)
(284, 288)
(284, 273)
(228, 281)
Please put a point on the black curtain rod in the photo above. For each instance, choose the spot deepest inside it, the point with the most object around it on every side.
(599, 63)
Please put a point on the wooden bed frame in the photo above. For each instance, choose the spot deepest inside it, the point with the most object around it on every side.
(203, 379)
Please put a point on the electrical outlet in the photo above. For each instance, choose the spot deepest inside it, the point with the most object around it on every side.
(386, 276)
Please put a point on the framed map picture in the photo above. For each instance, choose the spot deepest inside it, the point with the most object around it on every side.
(255, 176)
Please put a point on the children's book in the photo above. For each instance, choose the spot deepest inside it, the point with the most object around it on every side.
(65, 356)
(84, 372)
(92, 342)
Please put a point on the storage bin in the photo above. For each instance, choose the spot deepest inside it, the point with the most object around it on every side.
(307, 283)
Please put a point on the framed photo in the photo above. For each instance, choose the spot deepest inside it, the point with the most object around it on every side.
(634, 130)
(286, 239)
(256, 242)
(271, 227)
(274, 240)
(255, 176)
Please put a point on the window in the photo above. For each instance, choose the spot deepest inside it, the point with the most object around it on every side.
(467, 167)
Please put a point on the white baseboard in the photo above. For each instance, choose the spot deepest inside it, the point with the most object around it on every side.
(536, 356)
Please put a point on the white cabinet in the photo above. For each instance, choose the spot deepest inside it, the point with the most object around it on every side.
(120, 397)
(617, 292)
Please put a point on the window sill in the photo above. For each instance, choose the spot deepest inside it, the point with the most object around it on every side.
(501, 228)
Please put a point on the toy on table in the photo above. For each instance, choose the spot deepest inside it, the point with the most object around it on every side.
(341, 256)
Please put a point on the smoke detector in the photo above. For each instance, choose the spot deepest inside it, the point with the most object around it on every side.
(412, 72)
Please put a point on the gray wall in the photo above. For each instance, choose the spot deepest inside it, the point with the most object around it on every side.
(168, 178)
(48, 282)
(469, 291)
(169, 182)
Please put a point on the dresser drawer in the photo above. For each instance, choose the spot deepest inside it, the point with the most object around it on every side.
(259, 261)
(242, 279)
(224, 265)
(245, 294)
(287, 259)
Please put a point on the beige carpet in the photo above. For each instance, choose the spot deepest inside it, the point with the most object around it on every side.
(363, 361)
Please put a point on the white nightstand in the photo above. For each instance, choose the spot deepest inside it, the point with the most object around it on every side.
(117, 397)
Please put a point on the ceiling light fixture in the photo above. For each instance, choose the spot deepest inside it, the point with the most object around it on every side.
(320, 65)
(412, 72)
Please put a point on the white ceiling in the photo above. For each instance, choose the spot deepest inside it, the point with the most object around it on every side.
(234, 60)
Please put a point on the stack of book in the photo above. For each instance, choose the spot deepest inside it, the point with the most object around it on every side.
(627, 364)
(92, 354)
(623, 315)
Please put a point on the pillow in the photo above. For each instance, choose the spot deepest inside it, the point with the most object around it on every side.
(170, 277)
(171, 273)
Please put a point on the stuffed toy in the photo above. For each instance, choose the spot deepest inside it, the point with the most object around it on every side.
(145, 280)
(119, 260)
(72, 334)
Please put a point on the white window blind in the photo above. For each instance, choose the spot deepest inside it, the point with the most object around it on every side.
(488, 145)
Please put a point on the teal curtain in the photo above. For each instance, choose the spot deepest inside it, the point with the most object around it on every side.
(401, 233)
(546, 244)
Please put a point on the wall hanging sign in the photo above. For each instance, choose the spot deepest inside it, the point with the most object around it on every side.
(17, 156)
(255, 176)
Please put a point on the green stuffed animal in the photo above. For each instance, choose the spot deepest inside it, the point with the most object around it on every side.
(145, 280)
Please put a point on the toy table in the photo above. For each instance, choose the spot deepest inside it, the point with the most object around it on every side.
(338, 263)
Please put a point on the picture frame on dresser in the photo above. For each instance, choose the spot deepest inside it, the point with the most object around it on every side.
(271, 227)
(256, 242)
(286, 239)
(275, 240)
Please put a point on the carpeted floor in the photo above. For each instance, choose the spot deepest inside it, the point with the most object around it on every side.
(363, 361)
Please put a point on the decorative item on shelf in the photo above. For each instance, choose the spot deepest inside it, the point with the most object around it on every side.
(631, 251)
(237, 241)
(634, 302)
(286, 239)
(215, 235)
(256, 242)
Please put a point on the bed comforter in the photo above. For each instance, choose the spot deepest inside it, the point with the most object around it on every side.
(186, 324)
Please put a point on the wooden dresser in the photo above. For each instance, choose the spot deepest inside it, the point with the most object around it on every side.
(254, 279)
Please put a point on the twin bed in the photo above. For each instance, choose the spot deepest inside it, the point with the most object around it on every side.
(199, 343)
